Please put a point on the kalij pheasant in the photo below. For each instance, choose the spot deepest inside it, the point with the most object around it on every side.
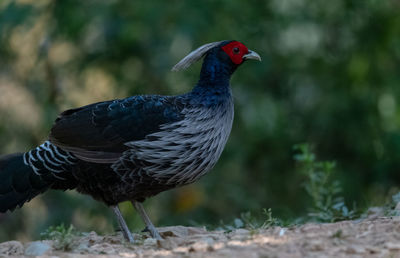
(134, 148)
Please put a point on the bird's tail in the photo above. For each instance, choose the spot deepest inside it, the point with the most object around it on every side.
(18, 182)
(25, 175)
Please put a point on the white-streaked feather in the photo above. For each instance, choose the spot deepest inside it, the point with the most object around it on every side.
(194, 56)
(184, 150)
(48, 157)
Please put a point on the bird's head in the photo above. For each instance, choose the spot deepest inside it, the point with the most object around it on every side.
(229, 52)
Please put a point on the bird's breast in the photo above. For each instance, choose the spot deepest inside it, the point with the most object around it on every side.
(183, 151)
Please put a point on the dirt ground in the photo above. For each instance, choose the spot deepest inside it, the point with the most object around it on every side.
(373, 237)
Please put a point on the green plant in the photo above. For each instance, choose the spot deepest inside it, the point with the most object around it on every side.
(250, 222)
(327, 204)
(63, 237)
(390, 208)
(270, 221)
(338, 234)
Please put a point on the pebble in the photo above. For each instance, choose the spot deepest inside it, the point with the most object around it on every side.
(11, 248)
(37, 248)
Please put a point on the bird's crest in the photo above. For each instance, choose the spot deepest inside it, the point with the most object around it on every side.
(194, 56)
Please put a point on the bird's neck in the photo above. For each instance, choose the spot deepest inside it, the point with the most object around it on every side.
(213, 86)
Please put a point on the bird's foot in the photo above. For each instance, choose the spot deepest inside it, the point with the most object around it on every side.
(128, 236)
(122, 224)
(154, 233)
(149, 226)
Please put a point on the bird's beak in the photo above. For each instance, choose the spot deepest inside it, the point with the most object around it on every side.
(252, 55)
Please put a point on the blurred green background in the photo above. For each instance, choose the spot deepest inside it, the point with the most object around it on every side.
(330, 76)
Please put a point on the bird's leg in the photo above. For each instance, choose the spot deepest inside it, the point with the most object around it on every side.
(122, 224)
(153, 231)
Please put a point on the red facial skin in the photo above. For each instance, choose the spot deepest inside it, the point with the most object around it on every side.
(236, 51)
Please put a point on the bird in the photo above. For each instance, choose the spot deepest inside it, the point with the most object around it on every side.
(133, 148)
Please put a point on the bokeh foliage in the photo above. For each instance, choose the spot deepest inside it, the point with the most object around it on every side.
(330, 76)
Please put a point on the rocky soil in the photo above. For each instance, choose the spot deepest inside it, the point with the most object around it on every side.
(373, 237)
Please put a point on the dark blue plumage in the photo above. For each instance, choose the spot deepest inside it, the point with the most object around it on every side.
(131, 149)
(107, 126)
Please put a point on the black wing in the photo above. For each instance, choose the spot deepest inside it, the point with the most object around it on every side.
(98, 132)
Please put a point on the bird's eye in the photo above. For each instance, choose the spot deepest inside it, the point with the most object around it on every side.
(236, 50)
